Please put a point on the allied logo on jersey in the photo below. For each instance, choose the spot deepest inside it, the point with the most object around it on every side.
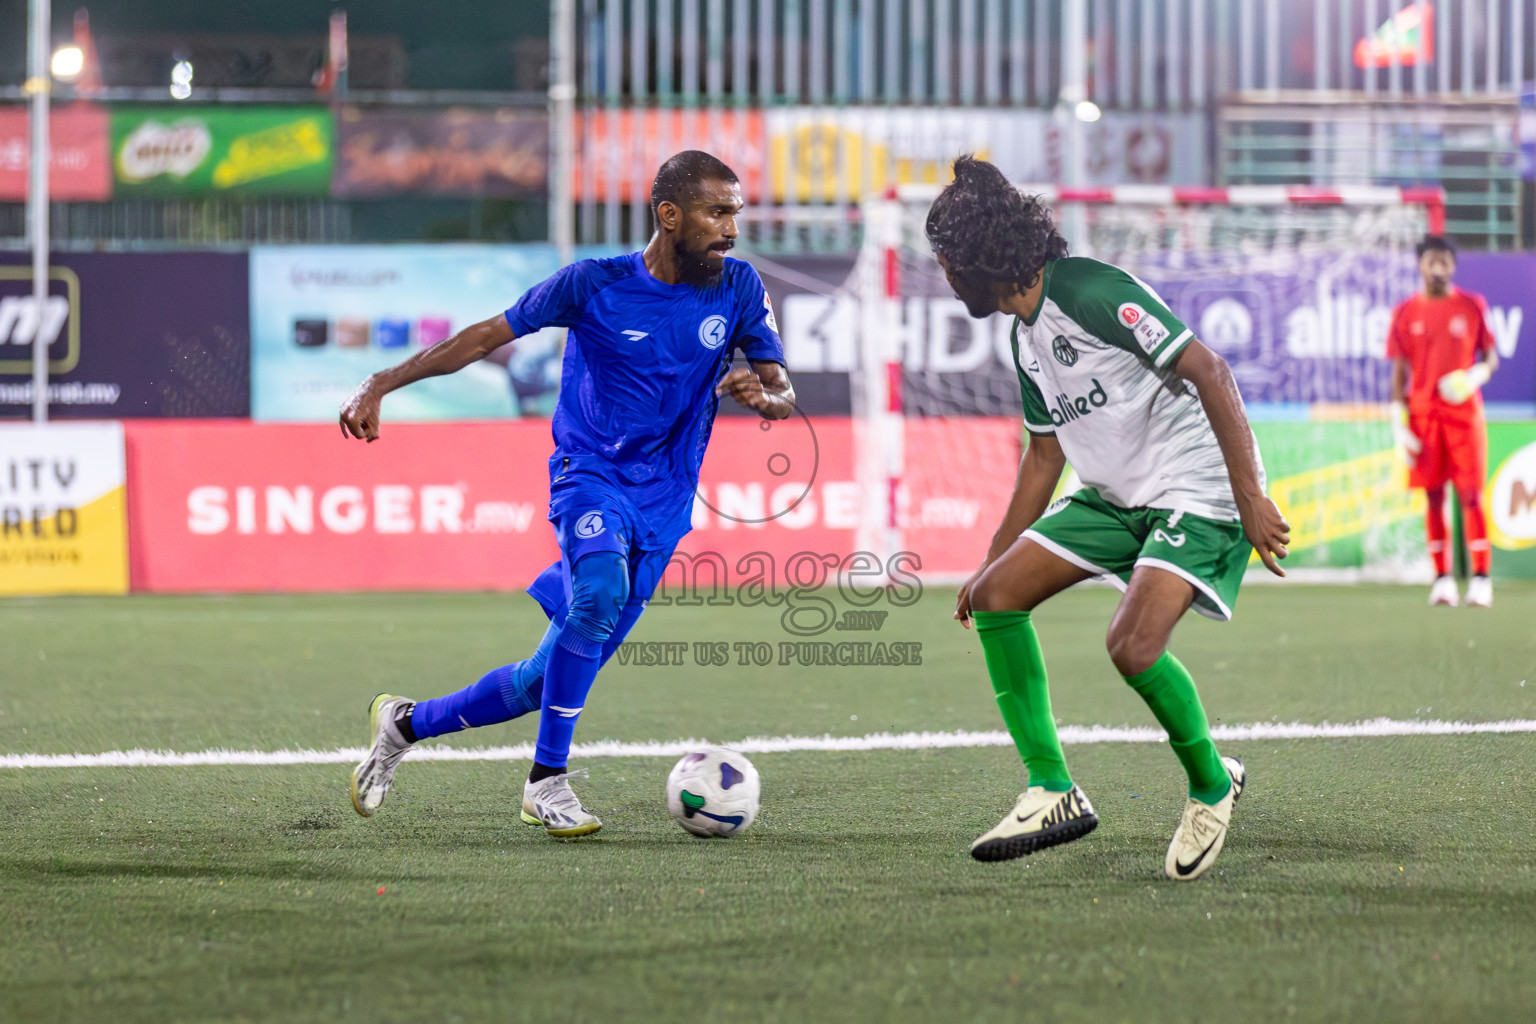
(1149, 330)
(1062, 349)
(1174, 539)
(768, 317)
(1065, 409)
(712, 332)
(589, 525)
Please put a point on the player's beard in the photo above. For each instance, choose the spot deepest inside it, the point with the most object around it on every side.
(695, 268)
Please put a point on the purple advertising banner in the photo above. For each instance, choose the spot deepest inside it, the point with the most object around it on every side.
(1315, 329)
(1508, 282)
(501, 153)
(129, 335)
(1298, 329)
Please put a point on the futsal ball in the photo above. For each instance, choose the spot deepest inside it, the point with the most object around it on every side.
(713, 791)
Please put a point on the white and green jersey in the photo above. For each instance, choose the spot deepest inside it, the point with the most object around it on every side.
(1094, 366)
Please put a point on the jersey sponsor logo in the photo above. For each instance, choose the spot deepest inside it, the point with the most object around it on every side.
(1458, 326)
(589, 525)
(768, 317)
(1175, 539)
(712, 332)
(1149, 330)
(635, 335)
(1066, 409)
(1062, 349)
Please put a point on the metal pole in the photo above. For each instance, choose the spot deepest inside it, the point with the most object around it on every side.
(1320, 45)
(1073, 90)
(37, 201)
(1272, 45)
(562, 123)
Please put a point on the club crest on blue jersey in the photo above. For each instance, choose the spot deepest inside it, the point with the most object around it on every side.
(589, 525)
(712, 331)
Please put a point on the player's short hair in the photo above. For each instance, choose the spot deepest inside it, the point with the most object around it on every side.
(1434, 243)
(679, 180)
(986, 228)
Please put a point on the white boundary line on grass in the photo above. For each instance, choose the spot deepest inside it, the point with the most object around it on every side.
(1074, 734)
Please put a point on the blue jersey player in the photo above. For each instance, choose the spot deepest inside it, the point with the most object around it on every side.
(649, 353)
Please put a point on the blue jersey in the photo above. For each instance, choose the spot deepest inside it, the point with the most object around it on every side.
(637, 389)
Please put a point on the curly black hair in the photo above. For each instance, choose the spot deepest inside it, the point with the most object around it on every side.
(984, 228)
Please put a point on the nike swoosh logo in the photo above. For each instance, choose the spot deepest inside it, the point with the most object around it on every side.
(1058, 805)
(1184, 869)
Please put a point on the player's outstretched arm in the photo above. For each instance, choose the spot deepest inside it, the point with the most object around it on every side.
(360, 413)
(1039, 471)
(1264, 526)
(765, 389)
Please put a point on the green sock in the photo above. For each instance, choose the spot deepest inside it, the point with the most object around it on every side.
(1018, 680)
(1169, 691)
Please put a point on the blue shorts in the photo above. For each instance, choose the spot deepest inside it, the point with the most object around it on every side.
(590, 516)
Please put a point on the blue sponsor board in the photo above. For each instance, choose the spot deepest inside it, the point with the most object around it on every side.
(324, 317)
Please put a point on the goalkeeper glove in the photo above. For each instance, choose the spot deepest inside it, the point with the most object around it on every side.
(1403, 437)
(1459, 385)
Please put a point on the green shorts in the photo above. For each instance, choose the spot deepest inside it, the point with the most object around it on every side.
(1111, 541)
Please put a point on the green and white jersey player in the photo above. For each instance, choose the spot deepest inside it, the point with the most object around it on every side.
(1172, 505)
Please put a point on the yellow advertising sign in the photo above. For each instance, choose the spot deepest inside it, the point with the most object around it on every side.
(63, 509)
(1511, 501)
(831, 156)
(272, 151)
(1344, 499)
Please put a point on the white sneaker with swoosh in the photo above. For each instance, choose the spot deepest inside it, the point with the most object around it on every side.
(1203, 829)
(1040, 819)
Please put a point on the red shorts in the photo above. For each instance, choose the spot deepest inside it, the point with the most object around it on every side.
(1455, 451)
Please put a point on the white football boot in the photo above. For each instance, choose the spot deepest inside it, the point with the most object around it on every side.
(1202, 829)
(371, 779)
(552, 803)
(1040, 819)
(1480, 592)
(1444, 592)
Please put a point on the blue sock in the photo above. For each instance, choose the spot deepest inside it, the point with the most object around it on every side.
(599, 595)
(500, 695)
(627, 619)
(568, 678)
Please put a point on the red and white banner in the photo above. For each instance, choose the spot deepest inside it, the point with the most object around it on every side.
(790, 488)
(79, 167)
(227, 505)
(235, 506)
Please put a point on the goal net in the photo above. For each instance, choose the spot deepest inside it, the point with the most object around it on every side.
(1293, 286)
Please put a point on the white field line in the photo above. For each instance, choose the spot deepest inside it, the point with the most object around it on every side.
(770, 744)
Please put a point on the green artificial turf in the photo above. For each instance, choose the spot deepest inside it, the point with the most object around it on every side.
(1367, 879)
